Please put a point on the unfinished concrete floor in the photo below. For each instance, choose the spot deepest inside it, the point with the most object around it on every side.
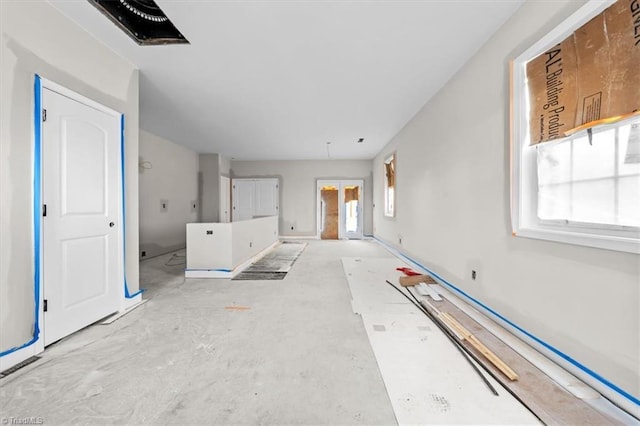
(298, 355)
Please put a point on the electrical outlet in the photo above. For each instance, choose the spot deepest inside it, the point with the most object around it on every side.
(143, 253)
(164, 205)
(474, 269)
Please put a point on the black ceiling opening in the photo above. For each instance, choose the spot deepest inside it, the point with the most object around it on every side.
(142, 20)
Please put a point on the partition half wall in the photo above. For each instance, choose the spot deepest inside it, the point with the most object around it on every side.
(221, 250)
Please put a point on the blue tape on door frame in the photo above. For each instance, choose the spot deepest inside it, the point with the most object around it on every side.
(124, 212)
(562, 355)
(37, 203)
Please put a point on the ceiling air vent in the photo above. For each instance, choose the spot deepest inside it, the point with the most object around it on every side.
(142, 20)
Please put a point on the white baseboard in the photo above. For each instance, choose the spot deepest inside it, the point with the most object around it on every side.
(127, 304)
(207, 273)
(11, 359)
(222, 273)
(298, 237)
(237, 269)
(125, 311)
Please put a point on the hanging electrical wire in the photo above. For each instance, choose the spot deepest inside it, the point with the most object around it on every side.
(176, 259)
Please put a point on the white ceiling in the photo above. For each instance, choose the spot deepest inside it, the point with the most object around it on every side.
(280, 79)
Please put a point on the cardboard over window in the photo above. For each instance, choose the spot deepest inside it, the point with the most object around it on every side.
(592, 77)
(390, 172)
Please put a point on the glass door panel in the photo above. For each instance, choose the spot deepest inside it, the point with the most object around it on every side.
(351, 206)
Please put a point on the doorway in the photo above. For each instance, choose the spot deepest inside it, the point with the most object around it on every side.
(82, 252)
(329, 212)
(339, 209)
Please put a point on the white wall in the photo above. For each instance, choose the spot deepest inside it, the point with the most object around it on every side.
(228, 245)
(250, 237)
(298, 188)
(36, 38)
(173, 176)
(225, 166)
(452, 213)
(209, 187)
(209, 245)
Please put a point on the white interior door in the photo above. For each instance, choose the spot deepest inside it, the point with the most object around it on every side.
(266, 196)
(243, 199)
(225, 199)
(82, 245)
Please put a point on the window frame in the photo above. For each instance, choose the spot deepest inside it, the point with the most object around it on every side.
(390, 208)
(524, 179)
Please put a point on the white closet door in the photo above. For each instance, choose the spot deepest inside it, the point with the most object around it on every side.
(266, 193)
(243, 199)
(255, 198)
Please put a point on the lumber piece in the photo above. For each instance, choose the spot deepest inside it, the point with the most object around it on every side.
(451, 327)
(416, 279)
(460, 330)
(476, 343)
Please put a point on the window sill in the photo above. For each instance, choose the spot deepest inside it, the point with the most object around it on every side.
(607, 242)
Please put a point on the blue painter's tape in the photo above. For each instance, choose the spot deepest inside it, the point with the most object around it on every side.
(37, 199)
(37, 203)
(216, 270)
(562, 355)
(124, 212)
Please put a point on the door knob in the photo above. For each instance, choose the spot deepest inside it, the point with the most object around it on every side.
(111, 224)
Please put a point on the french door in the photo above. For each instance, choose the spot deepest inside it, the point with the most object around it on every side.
(339, 209)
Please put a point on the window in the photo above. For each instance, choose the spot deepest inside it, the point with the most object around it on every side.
(593, 182)
(389, 185)
(583, 188)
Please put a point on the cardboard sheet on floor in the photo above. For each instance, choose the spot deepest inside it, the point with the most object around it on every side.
(427, 380)
(364, 283)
